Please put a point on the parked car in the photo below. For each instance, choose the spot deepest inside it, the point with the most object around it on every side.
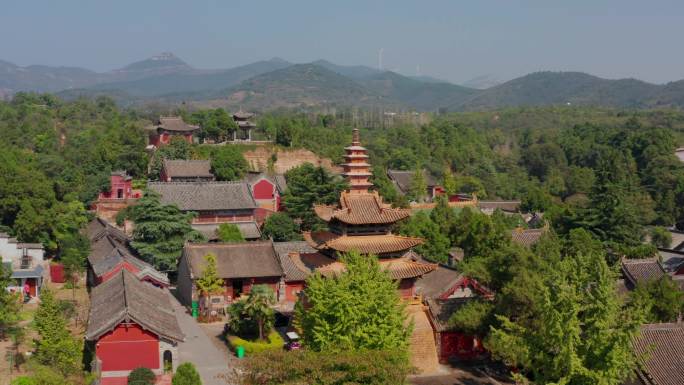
(292, 341)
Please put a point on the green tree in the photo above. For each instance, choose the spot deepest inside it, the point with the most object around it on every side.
(581, 333)
(660, 237)
(73, 255)
(662, 298)
(178, 148)
(227, 163)
(418, 186)
(449, 182)
(473, 318)
(478, 234)
(281, 228)
(209, 283)
(9, 304)
(308, 185)
(357, 309)
(470, 185)
(229, 232)
(258, 308)
(56, 347)
(186, 374)
(141, 376)
(613, 215)
(160, 231)
(436, 243)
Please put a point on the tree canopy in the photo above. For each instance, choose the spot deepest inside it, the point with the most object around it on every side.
(160, 231)
(308, 185)
(357, 309)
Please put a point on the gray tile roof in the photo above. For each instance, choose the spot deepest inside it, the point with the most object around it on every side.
(205, 196)
(434, 284)
(174, 123)
(641, 270)
(180, 168)
(99, 227)
(402, 179)
(235, 260)
(672, 259)
(526, 237)
(36, 272)
(249, 230)
(290, 268)
(509, 206)
(277, 179)
(125, 298)
(661, 348)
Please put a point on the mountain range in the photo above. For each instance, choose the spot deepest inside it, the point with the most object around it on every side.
(277, 83)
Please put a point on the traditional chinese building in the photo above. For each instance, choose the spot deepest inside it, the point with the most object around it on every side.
(110, 253)
(659, 349)
(241, 266)
(215, 203)
(402, 182)
(120, 195)
(131, 325)
(363, 222)
(444, 291)
(181, 170)
(267, 190)
(167, 127)
(245, 126)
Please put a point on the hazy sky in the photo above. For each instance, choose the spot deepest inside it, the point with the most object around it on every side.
(454, 40)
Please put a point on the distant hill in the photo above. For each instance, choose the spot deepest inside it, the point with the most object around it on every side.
(268, 84)
(43, 78)
(302, 85)
(417, 94)
(546, 88)
(482, 82)
(354, 72)
(195, 83)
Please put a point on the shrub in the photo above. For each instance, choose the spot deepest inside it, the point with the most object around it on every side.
(369, 367)
(186, 374)
(23, 380)
(141, 376)
(275, 342)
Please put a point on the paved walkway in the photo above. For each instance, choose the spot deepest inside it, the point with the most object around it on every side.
(199, 349)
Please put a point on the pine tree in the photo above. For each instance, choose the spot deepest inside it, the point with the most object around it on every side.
(160, 231)
(357, 309)
(281, 228)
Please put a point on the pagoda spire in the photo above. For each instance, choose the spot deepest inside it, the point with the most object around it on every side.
(356, 167)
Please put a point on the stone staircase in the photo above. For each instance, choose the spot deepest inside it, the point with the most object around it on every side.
(422, 348)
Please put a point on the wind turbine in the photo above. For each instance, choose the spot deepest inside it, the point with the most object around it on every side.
(380, 59)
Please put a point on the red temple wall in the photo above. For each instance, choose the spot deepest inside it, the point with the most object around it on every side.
(406, 288)
(128, 347)
(455, 345)
(263, 189)
(292, 290)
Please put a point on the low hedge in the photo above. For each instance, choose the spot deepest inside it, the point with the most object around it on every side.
(275, 342)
